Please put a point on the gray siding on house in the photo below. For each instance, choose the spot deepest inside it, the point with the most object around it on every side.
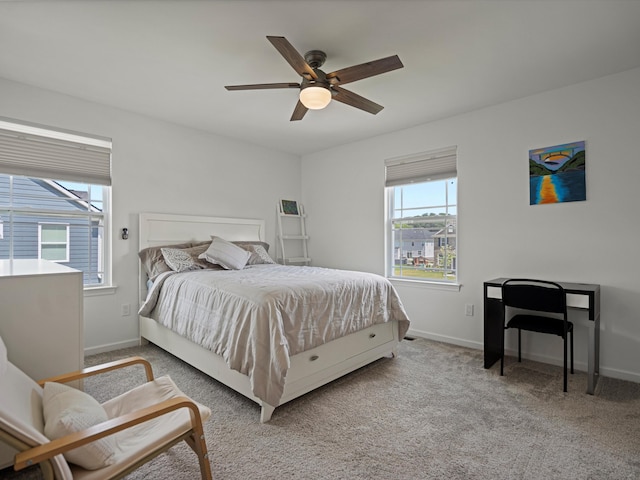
(84, 232)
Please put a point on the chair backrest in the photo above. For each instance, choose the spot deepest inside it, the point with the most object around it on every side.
(21, 417)
(537, 295)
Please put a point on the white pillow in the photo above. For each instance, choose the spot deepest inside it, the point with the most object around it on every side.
(226, 254)
(3, 358)
(68, 410)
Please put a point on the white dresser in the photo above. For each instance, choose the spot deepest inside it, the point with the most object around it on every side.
(41, 316)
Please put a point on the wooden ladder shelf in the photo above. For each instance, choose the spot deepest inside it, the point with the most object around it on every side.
(292, 234)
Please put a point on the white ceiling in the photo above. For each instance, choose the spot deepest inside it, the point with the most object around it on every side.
(171, 59)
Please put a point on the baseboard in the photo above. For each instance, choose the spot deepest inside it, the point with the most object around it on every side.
(620, 374)
(445, 339)
(111, 346)
(580, 366)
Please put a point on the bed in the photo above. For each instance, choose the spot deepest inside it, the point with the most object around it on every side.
(255, 329)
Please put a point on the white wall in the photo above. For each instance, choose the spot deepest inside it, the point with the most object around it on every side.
(499, 233)
(158, 167)
(162, 167)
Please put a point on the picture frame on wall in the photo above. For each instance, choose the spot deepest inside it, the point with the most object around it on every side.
(557, 174)
(289, 207)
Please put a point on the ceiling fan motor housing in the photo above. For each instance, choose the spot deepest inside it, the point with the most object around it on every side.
(315, 58)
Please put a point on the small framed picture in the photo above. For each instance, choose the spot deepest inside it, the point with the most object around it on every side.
(557, 174)
(289, 207)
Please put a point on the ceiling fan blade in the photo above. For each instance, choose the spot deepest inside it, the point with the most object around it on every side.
(355, 100)
(262, 86)
(292, 56)
(365, 70)
(298, 112)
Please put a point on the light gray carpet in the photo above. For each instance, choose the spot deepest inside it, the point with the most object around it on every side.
(432, 413)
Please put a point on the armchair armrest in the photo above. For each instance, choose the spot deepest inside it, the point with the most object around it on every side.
(97, 369)
(77, 439)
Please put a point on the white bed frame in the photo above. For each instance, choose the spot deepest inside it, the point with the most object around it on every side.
(309, 370)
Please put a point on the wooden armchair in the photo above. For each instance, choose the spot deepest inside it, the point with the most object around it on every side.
(140, 424)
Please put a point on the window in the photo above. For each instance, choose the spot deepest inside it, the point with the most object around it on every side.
(53, 242)
(421, 193)
(55, 198)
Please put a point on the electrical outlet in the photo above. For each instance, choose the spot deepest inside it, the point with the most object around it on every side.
(125, 309)
(468, 310)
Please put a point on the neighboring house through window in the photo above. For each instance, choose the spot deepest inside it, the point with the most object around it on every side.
(53, 242)
(55, 198)
(421, 193)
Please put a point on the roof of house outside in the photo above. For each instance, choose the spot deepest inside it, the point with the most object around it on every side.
(414, 234)
(441, 233)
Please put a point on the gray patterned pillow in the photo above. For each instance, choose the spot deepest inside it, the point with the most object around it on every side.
(258, 255)
(180, 260)
(153, 262)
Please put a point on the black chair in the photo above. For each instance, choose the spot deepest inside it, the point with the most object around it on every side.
(537, 296)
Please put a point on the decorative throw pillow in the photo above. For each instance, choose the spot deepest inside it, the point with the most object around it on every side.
(181, 260)
(153, 262)
(68, 410)
(226, 254)
(258, 255)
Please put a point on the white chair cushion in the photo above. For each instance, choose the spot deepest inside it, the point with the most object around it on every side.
(68, 410)
(142, 439)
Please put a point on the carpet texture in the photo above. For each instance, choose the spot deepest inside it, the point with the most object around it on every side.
(432, 413)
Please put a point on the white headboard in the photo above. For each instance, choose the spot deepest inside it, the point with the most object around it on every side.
(163, 229)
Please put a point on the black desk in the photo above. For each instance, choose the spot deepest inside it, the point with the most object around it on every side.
(584, 296)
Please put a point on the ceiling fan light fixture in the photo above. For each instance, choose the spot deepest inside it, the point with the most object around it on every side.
(314, 97)
(317, 88)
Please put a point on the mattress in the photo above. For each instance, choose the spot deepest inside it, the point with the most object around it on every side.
(258, 317)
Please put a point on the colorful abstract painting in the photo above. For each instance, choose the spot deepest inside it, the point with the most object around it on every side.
(557, 174)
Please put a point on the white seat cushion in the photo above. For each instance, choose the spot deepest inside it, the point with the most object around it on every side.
(133, 442)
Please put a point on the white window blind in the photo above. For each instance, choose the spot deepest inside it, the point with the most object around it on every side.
(37, 152)
(421, 167)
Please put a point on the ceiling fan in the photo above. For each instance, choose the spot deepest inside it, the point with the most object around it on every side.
(317, 87)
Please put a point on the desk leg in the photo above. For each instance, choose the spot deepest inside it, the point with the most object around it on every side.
(493, 330)
(594, 355)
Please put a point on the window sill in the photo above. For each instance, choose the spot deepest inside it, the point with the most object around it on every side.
(101, 290)
(452, 287)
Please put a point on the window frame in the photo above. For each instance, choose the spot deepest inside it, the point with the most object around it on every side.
(103, 271)
(422, 169)
(72, 158)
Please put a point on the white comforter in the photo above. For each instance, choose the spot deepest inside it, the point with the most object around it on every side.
(256, 318)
